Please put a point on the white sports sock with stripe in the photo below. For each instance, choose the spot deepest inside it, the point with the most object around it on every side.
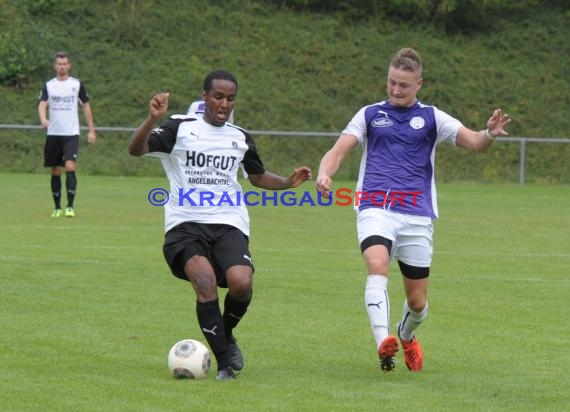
(378, 306)
(410, 321)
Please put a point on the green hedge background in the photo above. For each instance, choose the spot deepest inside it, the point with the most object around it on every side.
(301, 66)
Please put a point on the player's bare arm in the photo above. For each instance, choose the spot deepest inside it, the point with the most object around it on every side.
(158, 107)
(91, 136)
(42, 111)
(268, 180)
(480, 141)
(331, 161)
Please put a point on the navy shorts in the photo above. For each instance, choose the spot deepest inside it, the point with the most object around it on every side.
(59, 149)
(223, 245)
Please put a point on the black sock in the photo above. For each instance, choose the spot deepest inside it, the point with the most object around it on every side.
(71, 186)
(233, 312)
(56, 190)
(212, 326)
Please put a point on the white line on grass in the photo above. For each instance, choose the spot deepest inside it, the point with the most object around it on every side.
(499, 253)
(335, 251)
(101, 247)
(63, 261)
(499, 277)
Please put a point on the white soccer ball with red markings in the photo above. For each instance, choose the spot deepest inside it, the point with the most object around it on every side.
(189, 359)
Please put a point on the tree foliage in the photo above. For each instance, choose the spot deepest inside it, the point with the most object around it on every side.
(22, 45)
(452, 15)
(300, 69)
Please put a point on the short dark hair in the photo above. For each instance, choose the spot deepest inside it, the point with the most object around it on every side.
(62, 55)
(218, 74)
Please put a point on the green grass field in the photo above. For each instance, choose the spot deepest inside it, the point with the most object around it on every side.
(88, 309)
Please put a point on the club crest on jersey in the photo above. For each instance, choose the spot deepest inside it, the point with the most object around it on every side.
(417, 122)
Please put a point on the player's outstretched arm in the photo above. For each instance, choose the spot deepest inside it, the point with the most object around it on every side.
(271, 181)
(157, 108)
(331, 161)
(480, 141)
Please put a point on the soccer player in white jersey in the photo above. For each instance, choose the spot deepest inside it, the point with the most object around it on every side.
(197, 108)
(62, 95)
(206, 223)
(397, 201)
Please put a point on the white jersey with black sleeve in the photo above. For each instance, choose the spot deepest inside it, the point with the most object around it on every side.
(63, 98)
(202, 162)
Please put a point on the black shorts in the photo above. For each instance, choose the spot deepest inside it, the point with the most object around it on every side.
(223, 245)
(59, 149)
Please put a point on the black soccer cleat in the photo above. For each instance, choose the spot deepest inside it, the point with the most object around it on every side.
(235, 357)
(387, 364)
(226, 374)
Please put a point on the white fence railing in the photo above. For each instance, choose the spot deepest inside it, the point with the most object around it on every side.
(522, 141)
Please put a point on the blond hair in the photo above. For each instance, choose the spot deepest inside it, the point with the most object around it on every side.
(407, 59)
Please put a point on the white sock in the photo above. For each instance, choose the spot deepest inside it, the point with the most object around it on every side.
(378, 306)
(410, 321)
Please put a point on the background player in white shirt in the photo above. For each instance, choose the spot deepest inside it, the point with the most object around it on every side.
(62, 95)
(208, 244)
(398, 201)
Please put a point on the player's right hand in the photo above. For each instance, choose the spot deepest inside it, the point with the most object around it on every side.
(159, 104)
(324, 184)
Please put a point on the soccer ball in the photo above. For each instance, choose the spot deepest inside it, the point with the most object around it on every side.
(189, 359)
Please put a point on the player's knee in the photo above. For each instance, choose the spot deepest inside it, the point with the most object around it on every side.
(376, 254)
(417, 302)
(240, 284)
(376, 265)
(204, 284)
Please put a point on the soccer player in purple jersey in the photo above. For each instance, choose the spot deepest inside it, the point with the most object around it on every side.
(397, 197)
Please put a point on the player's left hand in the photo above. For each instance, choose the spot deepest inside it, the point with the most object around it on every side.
(497, 122)
(299, 175)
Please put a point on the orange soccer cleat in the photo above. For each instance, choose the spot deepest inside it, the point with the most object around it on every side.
(387, 351)
(413, 354)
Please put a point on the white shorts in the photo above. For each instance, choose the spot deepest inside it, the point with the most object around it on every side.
(411, 236)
